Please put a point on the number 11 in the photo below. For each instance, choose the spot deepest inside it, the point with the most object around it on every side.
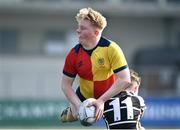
(117, 108)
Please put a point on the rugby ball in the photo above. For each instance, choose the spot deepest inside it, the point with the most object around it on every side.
(86, 113)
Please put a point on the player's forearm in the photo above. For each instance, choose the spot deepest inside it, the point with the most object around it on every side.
(122, 82)
(71, 96)
(116, 88)
(66, 86)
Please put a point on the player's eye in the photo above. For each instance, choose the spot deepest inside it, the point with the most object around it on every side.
(82, 28)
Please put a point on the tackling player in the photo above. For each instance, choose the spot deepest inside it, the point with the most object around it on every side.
(124, 110)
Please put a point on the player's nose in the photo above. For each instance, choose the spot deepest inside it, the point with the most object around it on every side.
(78, 30)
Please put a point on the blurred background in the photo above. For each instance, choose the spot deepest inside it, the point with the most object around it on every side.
(35, 36)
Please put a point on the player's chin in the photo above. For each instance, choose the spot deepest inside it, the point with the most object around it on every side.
(81, 42)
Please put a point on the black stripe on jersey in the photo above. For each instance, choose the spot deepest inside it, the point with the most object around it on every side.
(68, 74)
(130, 126)
(90, 51)
(77, 47)
(119, 69)
(104, 42)
(122, 122)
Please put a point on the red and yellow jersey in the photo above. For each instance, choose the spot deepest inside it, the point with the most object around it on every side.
(96, 68)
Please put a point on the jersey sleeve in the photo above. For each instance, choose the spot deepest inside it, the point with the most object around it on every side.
(69, 66)
(117, 59)
(142, 104)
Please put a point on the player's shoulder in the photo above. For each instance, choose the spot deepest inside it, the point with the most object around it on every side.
(110, 44)
(139, 97)
(72, 54)
(141, 100)
(104, 42)
(75, 49)
(124, 94)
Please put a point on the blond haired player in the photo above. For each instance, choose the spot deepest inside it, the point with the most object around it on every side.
(99, 62)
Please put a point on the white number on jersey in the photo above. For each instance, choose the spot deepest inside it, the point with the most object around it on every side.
(117, 108)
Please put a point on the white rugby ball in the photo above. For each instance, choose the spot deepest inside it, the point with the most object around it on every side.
(86, 113)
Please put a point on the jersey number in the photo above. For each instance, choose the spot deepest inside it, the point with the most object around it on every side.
(117, 108)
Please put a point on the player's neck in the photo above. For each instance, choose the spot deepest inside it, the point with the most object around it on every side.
(130, 91)
(91, 45)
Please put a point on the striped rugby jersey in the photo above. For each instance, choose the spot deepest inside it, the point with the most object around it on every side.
(123, 111)
(96, 68)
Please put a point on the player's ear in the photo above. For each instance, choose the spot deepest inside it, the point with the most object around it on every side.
(136, 89)
(97, 32)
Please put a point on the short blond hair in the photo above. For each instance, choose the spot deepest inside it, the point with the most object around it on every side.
(135, 77)
(93, 16)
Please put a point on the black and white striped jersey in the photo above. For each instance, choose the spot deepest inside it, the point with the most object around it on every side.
(123, 111)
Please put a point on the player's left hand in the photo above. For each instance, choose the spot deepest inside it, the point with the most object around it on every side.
(99, 104)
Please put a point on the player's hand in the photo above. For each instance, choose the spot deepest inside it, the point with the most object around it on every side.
(99, 104)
